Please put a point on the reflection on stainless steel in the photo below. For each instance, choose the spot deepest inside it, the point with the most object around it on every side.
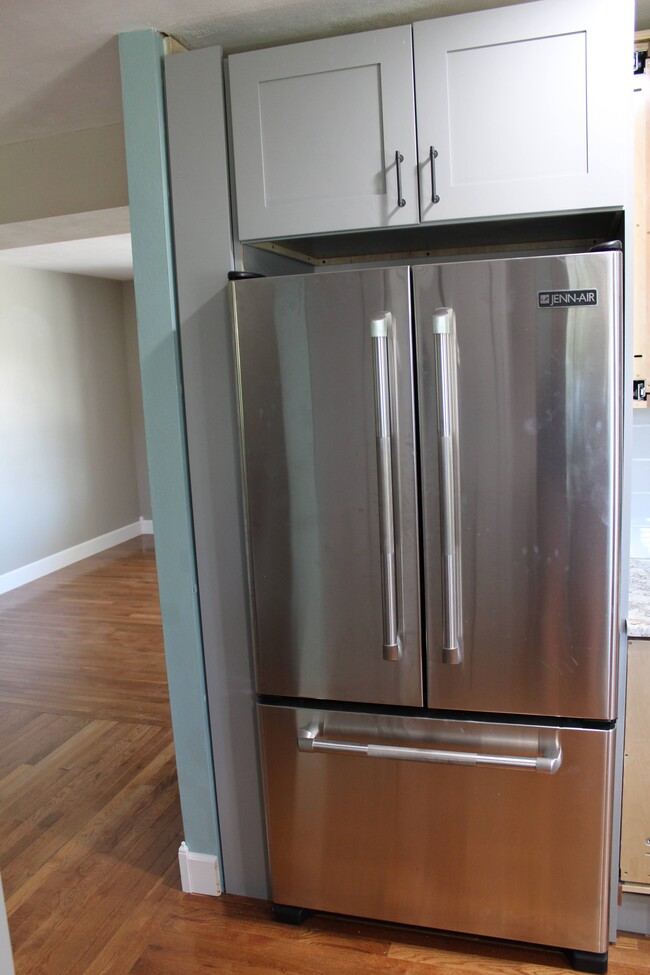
(379, 328)
(486, 850)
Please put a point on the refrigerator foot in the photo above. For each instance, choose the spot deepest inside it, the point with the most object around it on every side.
(587, 961)
(286, 914)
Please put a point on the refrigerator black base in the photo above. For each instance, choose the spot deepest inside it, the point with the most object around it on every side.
(587, 961)
(286, 914)
(593, 962)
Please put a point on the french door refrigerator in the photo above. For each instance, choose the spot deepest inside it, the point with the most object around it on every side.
(431, 458)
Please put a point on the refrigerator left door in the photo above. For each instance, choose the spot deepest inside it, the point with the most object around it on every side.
(328, 444)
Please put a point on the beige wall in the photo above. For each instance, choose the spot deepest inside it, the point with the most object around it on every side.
(74, 172)
(68, 470)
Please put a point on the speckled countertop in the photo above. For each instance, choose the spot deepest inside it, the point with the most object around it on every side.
(638, 616)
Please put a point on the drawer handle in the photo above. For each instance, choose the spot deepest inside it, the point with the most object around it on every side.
(399, 159)
(308, 741)
(433, 155)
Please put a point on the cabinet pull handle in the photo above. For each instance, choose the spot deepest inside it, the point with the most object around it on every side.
(399, 159)
(433, 155)
(549, 761)
(379, 336)
(444, 335)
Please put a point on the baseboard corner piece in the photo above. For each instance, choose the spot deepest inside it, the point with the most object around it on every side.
(199, 872)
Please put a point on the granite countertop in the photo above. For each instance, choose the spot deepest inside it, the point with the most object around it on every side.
(638, 616)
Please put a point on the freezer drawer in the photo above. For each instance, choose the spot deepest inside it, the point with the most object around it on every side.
(371, 816)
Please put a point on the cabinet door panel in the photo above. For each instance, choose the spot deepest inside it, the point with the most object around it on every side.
(481, 117)
(523, 105)
(327, 170)
(315, 130)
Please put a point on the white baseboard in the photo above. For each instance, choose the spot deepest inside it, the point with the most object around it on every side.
(199, 872)
(60, 560)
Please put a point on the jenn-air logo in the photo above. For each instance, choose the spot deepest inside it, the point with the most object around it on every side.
(563, 299)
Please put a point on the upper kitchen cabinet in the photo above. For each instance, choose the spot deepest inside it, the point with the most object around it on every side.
(520, 109)
(323, 135)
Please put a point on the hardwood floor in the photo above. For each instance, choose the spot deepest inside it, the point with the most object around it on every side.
(87, 640)
(89, 812)
(90, 819)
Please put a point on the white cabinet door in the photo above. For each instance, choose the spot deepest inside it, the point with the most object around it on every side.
(523, 106)
(315, 129)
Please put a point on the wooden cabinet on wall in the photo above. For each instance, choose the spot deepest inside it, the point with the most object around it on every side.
(518, 112)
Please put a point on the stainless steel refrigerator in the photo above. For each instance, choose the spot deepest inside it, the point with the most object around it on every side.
(431, 458)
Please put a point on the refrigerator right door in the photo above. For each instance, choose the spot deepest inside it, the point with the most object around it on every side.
(519, 366)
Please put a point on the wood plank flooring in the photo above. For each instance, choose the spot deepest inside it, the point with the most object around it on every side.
(87, 640)
(90, 820)
(89, 813)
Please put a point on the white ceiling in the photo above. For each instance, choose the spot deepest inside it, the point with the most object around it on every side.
(59, 63)
(99, 257)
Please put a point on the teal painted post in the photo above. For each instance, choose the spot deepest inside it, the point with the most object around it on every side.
(141, 57)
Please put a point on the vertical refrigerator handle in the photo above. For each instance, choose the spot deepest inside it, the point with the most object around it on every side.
(392, 649)
(444, 334)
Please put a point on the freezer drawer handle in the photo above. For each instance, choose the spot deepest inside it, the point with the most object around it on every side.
(444, 334)
(379, 334)
(549, 762)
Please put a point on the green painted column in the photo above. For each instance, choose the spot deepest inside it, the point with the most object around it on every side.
(141, 56)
